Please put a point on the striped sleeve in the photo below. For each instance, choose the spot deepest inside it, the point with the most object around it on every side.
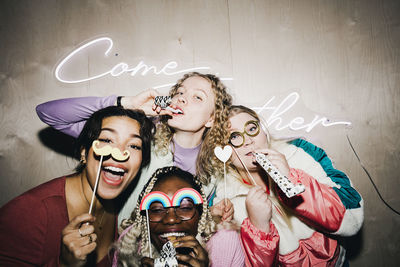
(350, 198)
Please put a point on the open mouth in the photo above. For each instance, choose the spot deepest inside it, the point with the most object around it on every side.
(113, 175)
(178, 111)
(174, 111)
(165, 237)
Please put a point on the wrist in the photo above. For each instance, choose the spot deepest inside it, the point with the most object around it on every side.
(262, 226)
(119, 101)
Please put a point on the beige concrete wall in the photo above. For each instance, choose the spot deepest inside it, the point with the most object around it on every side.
(342, 57)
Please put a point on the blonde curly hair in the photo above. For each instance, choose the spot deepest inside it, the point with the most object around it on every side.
(207, 164)
(135, 243)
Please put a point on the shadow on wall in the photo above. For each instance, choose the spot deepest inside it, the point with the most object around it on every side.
(58, 141)
(353, 244)
(65, 145)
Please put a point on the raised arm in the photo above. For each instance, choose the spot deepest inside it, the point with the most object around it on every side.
(69, 115)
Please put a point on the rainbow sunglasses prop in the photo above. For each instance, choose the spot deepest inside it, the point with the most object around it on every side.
(176, 200)
(163, 198)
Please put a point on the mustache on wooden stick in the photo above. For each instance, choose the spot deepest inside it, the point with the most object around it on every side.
(109, 150)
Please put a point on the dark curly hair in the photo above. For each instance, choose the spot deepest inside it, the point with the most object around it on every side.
(92, 129)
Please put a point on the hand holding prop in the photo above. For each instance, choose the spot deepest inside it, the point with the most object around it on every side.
(163, 102)
(282, 181)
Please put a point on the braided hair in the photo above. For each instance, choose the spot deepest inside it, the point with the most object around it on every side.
(135, 243)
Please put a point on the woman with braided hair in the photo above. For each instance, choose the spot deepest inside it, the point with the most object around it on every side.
(190, 226)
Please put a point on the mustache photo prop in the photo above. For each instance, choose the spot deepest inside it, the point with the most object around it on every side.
(102, 152)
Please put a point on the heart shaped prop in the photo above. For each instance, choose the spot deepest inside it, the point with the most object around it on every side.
(223, 154)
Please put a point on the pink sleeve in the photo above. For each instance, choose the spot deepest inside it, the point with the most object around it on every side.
(261, 249)
(318, 205)
(69, 115)
(224, 249)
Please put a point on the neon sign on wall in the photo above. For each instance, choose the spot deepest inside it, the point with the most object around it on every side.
(120, 68)
(170, 68)
(297, 123)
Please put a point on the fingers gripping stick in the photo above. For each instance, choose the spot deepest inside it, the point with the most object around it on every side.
(164, 102)
(282, 181)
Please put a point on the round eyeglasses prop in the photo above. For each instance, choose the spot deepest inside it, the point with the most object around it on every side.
(251, 128)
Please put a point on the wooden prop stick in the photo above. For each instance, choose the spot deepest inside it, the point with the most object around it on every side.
(223, 155)
(95, 185)
(241, 161)
(105, 151)
(148, 231)
(225, 186)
